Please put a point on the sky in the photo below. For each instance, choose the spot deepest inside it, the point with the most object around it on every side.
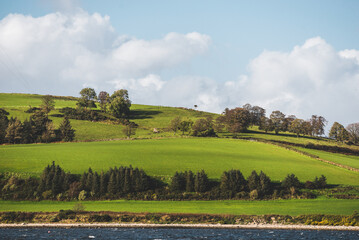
(299, 57)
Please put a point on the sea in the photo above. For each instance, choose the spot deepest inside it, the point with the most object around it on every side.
(171, 233)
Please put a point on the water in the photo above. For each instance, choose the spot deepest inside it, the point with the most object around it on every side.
(171, 233)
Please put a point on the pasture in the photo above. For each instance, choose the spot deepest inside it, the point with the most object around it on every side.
(163, 157)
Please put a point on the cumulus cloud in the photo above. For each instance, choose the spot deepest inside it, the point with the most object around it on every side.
(61, 52)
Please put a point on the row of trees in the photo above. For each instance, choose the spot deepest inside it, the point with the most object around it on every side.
(134, 183)
(118, 104)
(238, 120)
(38, 128)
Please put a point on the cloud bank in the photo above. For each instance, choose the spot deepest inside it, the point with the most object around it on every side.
(60, 53)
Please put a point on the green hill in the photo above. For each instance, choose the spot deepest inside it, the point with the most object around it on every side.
(162, 157)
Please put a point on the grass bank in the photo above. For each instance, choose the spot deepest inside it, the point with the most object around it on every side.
(237, 207)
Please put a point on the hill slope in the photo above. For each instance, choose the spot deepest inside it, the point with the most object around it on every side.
(162, 157)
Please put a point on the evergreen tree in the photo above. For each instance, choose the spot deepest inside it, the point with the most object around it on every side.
(111, 187)
(178, 182)
(189, 181)
(265, 184)
(14, 131)
(4, 121)
(95, 189)
(291, 181)
(233, 180)
(103, 184)
(28, 135)
(201, 182)
(253, 181)
(66, 131)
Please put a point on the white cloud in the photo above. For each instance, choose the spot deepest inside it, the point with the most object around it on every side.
(313, 78)
(60, 53)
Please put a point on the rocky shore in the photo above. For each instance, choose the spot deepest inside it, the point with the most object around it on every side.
(143, 225)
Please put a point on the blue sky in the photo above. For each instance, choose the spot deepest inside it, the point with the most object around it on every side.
(307, 50)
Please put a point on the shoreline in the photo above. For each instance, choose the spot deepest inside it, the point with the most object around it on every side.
(211, 226)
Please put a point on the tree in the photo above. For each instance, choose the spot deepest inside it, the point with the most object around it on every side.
(178, 182)
(14, 131)
(236, 120)
(201, 182)
(4, 121)
(87, 99)
(265, 185)
(48, 104)
(49, 132)
(297, 126)
(318, 123)
(353, 131)
(39, 120)
(233, 180)
(175, 123)
(256, 113)
(266, 124)
(278, 120)
(307, 128)
(189, 181)
(104, 99)
(338, 132)
(253, 181)
(120, 104)
(288, 121)
(66, 131)
(203, 128)
(185, 126)
(129, 130)
(291, 181)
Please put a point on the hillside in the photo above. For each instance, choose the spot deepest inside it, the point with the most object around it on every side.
(162, 157)
(147, 117)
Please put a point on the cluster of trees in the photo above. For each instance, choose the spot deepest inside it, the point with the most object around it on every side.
(134, 183)
(342, 134)
(55, 183)
(118, 104)
(204, 127)
(39, 128)
(190, 182)
(238, 120)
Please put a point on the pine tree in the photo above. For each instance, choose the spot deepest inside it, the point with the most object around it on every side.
(66, 131)
(111, 187)
(253, 181)
(201, 183)
(265, 184)
(14, 131)
(95, 189)
(189, 181)
(178, 182)
(4, 121)
(103, 184)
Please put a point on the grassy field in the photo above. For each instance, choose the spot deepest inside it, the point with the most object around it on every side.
(147, 117)
(349, 160)
(162, 157)
(283, 207)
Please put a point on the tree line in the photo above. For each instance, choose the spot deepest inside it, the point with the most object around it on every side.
(239, 119)
(38, 128)
(133, 183)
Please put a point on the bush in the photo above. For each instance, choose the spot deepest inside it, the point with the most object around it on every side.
(17, 216)
(100, 218)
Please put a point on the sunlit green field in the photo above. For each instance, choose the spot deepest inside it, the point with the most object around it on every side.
(147, 117)
(283, 207)
(162, 157)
